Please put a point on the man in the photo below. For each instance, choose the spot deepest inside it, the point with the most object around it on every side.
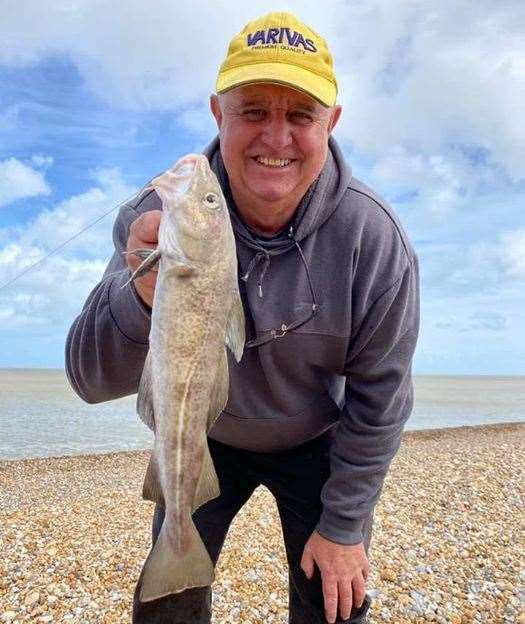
(329, 283)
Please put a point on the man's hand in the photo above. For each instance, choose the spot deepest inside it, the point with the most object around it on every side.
(143, 233)
(344, 570)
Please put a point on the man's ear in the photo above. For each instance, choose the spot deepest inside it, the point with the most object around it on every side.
(334, 117)
(216, 109)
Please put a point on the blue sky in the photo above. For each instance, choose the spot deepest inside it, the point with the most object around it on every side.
(95, 100)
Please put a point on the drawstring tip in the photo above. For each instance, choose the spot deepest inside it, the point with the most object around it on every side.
(260, 291)
(245, 277)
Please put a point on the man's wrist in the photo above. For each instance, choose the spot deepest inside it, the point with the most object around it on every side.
(340, 530)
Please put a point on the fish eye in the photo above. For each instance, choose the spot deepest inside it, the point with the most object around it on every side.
(211, 199)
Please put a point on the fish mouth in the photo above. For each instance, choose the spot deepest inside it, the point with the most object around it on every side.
(191, 164)
(187, 169)
(179, 179)
(186, 165)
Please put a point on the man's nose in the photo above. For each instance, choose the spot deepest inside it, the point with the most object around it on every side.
(277, 133)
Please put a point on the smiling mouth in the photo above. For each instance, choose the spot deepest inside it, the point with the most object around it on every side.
(274, 163)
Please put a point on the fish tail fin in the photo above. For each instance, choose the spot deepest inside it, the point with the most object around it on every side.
(168, 572)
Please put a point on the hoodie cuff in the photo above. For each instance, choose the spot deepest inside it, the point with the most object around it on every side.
(339, 530)
(130, 314)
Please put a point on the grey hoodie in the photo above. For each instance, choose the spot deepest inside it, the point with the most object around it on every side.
(332, 313)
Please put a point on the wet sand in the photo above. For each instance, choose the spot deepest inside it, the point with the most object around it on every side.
(447, 547)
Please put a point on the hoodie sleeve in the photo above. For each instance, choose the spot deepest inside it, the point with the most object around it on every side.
(108, 342)
(378, 402)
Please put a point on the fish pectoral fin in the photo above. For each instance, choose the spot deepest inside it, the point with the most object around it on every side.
(142, 253)
(184, 268)
(208, 483)
(145, 395)
(145, 266)
(168, 572)
(235, 332)
(219, 391)
(151, 488)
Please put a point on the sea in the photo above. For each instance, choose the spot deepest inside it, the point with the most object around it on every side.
(41, 416)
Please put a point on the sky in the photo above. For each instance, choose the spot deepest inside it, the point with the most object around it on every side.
(96, 98)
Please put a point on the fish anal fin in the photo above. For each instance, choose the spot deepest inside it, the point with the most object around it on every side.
(235, 332)
(167, 572)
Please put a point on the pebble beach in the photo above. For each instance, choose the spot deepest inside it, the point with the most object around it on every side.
(447, 546)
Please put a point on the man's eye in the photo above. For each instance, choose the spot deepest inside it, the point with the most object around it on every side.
(300, 117)
(254, 114)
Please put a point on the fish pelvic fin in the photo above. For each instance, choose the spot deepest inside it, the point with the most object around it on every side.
(235, 332)
(145, 396)
(167, 571)
(208, 483)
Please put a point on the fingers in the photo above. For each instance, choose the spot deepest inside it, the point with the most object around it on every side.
(358, 590)
(343, 594)
(344, 588)
(307, 564)
(145, 229)
(143, 233)
(330, 593)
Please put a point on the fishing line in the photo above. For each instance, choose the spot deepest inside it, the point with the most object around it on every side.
(29, 268)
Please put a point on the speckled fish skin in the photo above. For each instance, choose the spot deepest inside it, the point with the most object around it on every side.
(196, 312)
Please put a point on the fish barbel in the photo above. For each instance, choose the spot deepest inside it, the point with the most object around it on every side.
(197, 311)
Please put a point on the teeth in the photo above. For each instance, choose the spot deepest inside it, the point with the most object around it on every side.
(273, 163)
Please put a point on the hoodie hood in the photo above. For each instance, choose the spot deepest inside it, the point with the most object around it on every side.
(316, 206)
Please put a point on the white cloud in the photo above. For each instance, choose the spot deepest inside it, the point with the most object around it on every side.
(53, 292)
(42, 161)
(491, 266)
(18, 180)
(439, 183)
(433, 94)
(512, 252)
(424, 74)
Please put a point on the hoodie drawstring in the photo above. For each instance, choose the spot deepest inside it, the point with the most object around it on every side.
(254, 262)
(284, 329)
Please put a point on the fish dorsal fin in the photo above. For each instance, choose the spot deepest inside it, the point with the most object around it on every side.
(145, 396)
(151, 488)
(235, 331)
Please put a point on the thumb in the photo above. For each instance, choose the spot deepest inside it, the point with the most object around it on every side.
(307, 564)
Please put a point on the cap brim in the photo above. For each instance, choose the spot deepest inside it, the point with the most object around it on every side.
(318, 87)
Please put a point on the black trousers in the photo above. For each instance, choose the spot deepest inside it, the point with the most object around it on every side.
(295, 477)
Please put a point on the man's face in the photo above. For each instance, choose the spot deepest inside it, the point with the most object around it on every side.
(274, 140)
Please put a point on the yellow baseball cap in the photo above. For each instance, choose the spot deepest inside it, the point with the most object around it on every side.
(279, 48)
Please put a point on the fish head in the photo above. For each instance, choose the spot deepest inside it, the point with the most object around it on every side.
(195, 215)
